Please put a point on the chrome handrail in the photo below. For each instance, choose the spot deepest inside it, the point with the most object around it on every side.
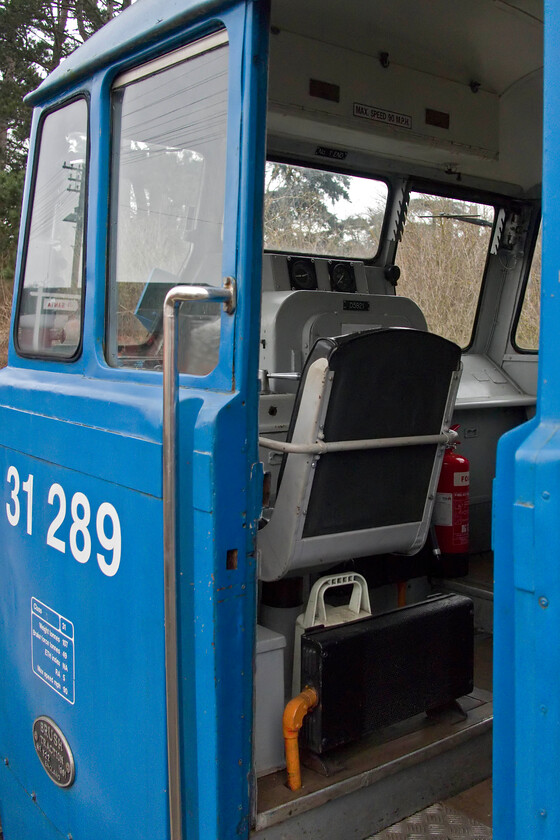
(174, 297)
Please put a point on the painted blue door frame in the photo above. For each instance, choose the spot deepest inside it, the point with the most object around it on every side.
(527, 547)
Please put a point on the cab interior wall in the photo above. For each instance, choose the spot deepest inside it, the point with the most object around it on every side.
(480, 63)
(478, 67)
(494, 134)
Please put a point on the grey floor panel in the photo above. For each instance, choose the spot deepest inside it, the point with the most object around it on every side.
(437, 821)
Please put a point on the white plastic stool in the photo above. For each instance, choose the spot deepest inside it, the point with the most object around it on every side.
(318, 613)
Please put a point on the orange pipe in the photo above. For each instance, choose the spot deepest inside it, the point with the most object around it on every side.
(292, 722)
(401, 593)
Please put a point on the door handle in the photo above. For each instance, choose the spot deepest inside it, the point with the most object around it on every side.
(175, 296)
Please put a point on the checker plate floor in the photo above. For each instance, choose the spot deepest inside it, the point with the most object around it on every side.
(437, 821)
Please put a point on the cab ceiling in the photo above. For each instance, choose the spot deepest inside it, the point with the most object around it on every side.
(492, 42)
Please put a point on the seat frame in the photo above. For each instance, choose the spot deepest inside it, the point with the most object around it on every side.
(282, 548)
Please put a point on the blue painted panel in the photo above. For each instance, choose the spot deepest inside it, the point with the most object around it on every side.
(527, 547)
(504, 633)
(24, 817)
(109, 700)
(95, 433)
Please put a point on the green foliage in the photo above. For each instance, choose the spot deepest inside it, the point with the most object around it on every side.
(19, 70)
(11, 186)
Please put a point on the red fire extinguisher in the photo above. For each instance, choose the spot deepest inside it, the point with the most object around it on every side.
(451, 510)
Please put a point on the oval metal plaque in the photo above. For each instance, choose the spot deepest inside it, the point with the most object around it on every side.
(54, 751)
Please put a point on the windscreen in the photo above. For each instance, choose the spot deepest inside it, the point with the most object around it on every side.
(315, 211)
(442, 257)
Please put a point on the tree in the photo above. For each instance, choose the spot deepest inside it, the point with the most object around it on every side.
(306, 211)
(298, 208)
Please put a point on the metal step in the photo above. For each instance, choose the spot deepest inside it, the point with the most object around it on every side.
(420, 764)
(436, 821)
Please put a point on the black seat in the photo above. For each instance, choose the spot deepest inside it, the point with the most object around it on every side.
(385, 383)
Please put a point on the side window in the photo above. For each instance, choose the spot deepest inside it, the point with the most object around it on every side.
(442, 257)
(527, 331)
(167, 204)
(49, 322)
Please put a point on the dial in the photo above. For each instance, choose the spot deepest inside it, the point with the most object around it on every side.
(342, 277)
(302, 274)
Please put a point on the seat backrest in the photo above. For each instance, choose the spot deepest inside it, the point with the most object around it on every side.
(383, 383)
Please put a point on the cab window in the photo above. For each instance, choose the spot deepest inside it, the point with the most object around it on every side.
(527, 330)
(442, 257)
(167, 205)
(322, 213)
(49, 322)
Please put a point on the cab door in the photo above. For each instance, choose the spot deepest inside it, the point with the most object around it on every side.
(526, 545)
(127, 605)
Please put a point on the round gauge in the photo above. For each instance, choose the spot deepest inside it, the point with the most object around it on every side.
(302, 275)
(342, 278)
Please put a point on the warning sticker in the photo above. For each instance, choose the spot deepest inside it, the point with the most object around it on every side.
(382, 115)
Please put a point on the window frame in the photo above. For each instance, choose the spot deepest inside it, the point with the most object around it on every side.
(59, 106)
(523, 290)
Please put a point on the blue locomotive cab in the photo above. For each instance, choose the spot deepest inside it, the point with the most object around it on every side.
(279, 267)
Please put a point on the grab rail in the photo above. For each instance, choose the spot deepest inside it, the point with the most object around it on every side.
(174, 297)
(323, 447)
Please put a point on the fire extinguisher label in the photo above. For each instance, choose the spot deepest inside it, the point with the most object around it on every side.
(443, 509)
(461, 479)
